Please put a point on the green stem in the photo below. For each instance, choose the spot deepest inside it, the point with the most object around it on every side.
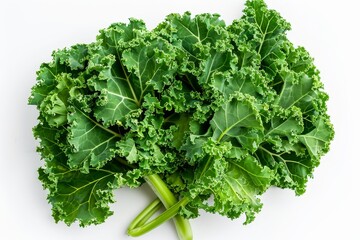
(172, 212)
(146, 214)
(168, 199)
(160, 188)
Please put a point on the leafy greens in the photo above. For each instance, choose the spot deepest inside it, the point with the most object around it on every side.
(197, 109)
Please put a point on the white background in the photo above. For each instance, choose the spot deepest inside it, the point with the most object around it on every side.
(31, 29)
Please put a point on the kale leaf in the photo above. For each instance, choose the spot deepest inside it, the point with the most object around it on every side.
(198, 109)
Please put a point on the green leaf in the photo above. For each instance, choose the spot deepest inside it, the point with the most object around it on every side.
(209, 172)
(292, 169)
(221, 112)
(51, 142)
(58, 82)
(46, 80)
(75, 57)
(91, 143)
(287, 124)
(195, 141)
(54, 106)
(238, 119)
(152, 62)
(194, 32)
(194, 38)
(296, 91)
(118, 35)
(182, 123)
(268, 38)
(246, 81)
(317, 141)
(244, 180)
(80, 197)
(74, 196)
(216, 62)
(242, 33)
(117, 98)
(120, 90)
(126, 148)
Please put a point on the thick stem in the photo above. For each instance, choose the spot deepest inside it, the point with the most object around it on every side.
(160, 188)
(172, 212)
(168, 199)
(146, 214)
(166, 196)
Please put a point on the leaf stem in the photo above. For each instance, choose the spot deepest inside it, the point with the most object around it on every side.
(139, 225)
(165, 216)
(146, 214)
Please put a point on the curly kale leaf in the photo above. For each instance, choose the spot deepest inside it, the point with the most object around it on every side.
(219, 112)
(282, 123)
(74, 195)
